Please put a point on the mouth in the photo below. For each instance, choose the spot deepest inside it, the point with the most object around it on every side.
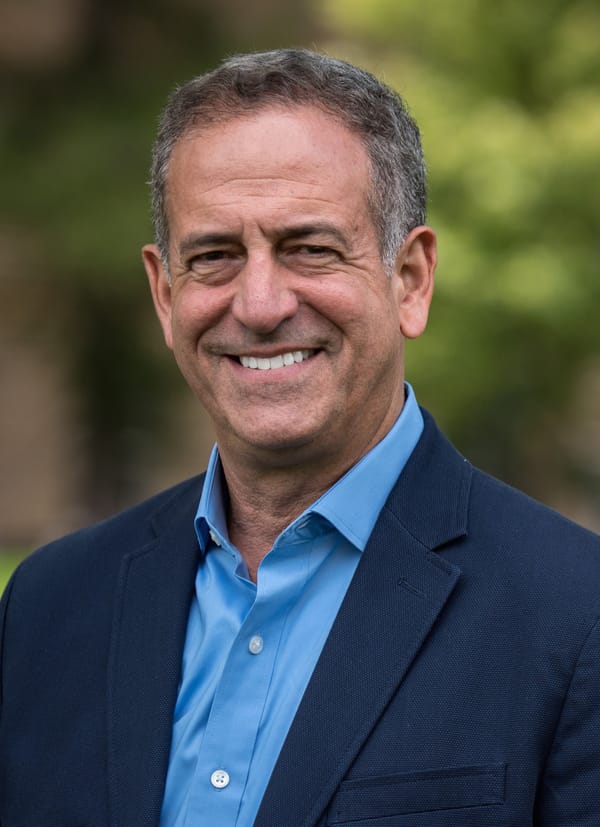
(281, 360)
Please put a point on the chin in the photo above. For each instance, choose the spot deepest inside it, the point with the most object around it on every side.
(279, 441)
(281, 447)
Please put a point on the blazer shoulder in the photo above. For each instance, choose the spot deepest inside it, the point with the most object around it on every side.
(540, 546)
(491, 505)
(504, 506)
(520, 544)
(101, 546)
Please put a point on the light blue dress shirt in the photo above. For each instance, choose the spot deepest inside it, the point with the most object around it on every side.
(251, 648)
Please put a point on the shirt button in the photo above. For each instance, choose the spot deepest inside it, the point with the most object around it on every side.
(256, 644)
(219, 779)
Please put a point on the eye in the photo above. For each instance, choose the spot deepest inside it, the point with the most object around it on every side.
(312, 254)
(311, 259)
(315, 250)
(213, 266)
(212, 261)
(208, 257)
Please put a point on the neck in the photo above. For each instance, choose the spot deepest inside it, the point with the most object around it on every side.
(261, 506)
(268, 490)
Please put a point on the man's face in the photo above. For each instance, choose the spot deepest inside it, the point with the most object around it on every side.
(280, 313)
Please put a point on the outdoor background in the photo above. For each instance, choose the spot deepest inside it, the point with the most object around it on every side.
(93, 414)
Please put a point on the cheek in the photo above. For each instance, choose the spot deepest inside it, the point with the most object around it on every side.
(367, 318)
(182, 328)
(194, 312)
(343, 304)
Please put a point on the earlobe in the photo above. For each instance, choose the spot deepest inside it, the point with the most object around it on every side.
(160, 288)
(413, 280)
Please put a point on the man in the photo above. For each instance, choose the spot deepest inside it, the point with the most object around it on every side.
(343, 622)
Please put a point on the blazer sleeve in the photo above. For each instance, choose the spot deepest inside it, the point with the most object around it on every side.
(3, 609)
(569, 793)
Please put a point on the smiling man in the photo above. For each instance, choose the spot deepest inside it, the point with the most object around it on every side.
(342, 622)
(282, 315)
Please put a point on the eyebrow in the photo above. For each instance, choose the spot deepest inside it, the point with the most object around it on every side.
(195, 240)
(313, 228)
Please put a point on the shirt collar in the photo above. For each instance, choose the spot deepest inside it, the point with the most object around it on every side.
(352, 505)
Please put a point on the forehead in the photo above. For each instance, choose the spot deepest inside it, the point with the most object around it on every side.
(291, 150)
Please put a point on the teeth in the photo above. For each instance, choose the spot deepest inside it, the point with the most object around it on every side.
(280, 361)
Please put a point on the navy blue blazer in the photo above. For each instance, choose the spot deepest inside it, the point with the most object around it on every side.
(459, 686)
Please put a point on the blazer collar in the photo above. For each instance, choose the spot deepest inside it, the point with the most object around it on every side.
(398, 592)
(431, 497)
(370, 647)
(151, 611)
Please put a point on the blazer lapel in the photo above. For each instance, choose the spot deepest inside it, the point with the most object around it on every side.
(396, 595)
(151, 611)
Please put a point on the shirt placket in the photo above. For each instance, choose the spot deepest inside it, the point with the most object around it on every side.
(233, 725)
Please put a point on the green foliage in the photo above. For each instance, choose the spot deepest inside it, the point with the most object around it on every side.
(75, 143)
(9, 560)
(508, 100)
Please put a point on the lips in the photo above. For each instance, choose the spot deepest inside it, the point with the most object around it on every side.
(282, 360)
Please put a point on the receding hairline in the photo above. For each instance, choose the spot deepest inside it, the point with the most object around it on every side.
(352, 96)
(222, 116)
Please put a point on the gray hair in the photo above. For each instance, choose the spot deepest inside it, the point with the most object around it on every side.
(248, 83)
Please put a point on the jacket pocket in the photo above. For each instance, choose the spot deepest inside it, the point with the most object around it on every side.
(417, 792)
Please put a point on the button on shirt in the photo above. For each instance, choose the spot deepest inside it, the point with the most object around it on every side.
(251, 647)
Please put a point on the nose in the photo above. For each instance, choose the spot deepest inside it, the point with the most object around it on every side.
(264, 297)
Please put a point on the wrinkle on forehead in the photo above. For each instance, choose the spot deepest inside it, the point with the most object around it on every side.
(259, 187)
(291, 135)
(253, 169)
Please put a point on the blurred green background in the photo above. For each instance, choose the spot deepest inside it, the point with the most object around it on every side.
(94, 415)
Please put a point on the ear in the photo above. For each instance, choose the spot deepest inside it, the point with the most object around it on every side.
(412, 280)
(160, 288)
